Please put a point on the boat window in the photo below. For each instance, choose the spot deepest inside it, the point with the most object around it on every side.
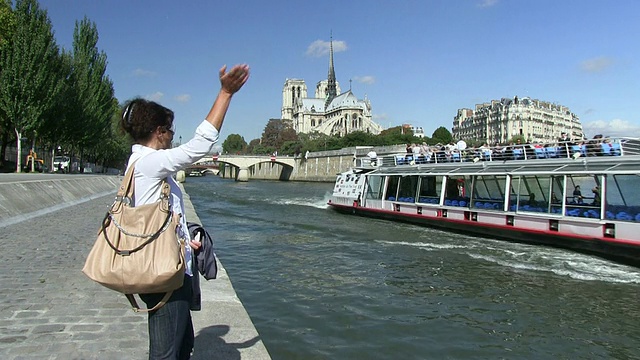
(430, 189)
(530, 193)
(622, 198)
(375, 186)
(580, 190)
(557, 185)
(457, 190)
(408, 188)
(488, 192)
(583, 196)
(392, 188)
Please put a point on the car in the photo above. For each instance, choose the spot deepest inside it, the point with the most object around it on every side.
(61, 164)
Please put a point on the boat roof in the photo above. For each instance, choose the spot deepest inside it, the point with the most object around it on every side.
(627, 164)
(626, 161)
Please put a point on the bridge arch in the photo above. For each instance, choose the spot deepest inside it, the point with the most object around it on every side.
(244, 162)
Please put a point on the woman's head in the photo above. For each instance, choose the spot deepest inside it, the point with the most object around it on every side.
(145, 120)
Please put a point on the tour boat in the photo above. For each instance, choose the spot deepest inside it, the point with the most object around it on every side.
(578, 196)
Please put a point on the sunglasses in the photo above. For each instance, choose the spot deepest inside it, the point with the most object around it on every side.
(171, 129)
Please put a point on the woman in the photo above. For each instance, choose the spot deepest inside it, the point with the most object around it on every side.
(151, 127)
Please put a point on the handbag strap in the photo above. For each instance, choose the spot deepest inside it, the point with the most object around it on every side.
(126, 190)
(105, 221)
(136, 307)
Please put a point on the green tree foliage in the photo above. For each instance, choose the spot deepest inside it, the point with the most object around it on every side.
(442, 135)
(7, 22)
(276, 133)
(234, 144)
(92, 91)
(29, 69)
(396, 135)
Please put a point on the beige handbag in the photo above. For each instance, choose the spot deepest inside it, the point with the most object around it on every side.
(137, 250)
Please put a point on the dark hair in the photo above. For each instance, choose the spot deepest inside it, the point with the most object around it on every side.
(140, 118)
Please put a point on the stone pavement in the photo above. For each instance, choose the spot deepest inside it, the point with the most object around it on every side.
(50, 310)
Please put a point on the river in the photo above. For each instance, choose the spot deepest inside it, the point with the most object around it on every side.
(323, 285)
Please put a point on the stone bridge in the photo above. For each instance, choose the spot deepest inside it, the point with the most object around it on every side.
(244, 162)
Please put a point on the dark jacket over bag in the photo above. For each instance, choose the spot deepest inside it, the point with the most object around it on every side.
(204, 263)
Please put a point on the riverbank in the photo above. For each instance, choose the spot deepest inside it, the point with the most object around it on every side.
(49, 309)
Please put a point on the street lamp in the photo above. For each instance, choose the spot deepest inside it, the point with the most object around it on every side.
(180, 140)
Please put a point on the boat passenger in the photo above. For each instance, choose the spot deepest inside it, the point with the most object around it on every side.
(596, 195)
(577, 195)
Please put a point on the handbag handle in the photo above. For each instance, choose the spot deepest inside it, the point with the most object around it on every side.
(126, 191)
(151, 237)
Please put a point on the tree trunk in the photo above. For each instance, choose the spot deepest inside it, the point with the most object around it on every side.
(33, 151)
(3, 147)
(19, 154)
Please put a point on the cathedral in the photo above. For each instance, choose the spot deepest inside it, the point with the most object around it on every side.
(329, 112)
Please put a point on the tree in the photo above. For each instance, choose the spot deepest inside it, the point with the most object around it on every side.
(29, 82)
(92, 91)
(442, 135)
(276, 133)
(233, 144)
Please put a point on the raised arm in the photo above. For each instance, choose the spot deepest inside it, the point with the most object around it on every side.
(230, 83)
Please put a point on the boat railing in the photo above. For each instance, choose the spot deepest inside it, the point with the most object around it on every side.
(603, 147)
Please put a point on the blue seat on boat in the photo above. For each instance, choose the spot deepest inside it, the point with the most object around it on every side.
(551, 151)
(540, 153)
(518, 154)
(623, 216)
(487, 155)
(462, 203)
(579, 149)
(447, 202)
(615, 148)
(454, 203)
(609, 215)
(478, 205)
(455, 157)
(573, 212)
(513, 207)
(606, 149)
(638, 217)
(392, 198)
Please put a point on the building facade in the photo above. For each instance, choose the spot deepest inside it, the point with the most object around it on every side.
(329, 112)
(500, 120)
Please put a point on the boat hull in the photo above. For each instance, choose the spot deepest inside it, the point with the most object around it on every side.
(618, 251)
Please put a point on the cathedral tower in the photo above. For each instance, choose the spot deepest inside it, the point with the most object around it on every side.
(331, 79)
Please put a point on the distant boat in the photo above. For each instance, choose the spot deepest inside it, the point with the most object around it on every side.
(521, 193)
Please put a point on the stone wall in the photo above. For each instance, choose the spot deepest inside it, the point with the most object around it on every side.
(322, 166)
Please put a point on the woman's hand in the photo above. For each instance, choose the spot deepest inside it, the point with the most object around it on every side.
(233, 80)
(195, 243)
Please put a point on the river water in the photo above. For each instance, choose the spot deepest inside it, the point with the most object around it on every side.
(323, 285)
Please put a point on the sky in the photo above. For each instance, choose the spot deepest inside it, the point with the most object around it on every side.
(418, 62)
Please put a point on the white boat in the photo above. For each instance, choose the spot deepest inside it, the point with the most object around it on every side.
(560, 196)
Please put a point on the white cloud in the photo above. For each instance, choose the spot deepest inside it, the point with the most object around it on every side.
(487, 3)
(365, 79)
(595, 65)
(613, 128)
(183, 98)
(321, 48)
(156, 96)
(143, 73)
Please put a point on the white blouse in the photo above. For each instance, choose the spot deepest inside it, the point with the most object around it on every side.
(153, 166)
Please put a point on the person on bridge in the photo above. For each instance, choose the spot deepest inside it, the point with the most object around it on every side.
(151, 127)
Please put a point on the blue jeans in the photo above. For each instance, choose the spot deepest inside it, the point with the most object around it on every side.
(170, 327)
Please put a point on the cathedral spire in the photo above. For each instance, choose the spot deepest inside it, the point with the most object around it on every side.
(331, 78)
